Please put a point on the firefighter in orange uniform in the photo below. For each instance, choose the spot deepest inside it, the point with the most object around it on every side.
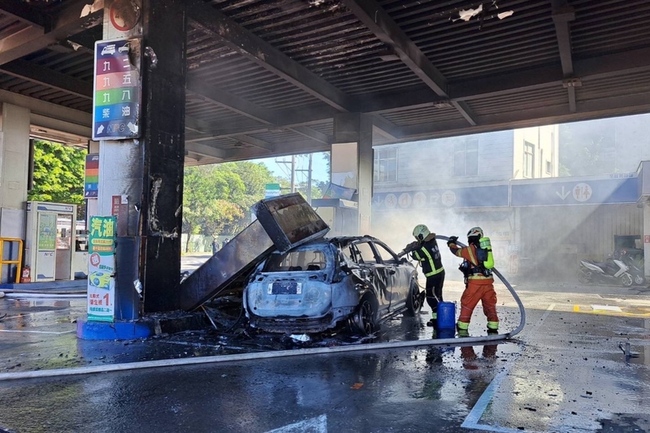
(479, 283)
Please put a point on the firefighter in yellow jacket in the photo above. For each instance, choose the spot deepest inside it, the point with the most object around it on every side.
(479, 282)
(425, 250)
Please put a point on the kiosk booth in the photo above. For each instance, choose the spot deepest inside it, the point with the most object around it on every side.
(50, 240)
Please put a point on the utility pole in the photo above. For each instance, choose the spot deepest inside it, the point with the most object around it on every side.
(293, 173)
(292, 162)
(309, 180)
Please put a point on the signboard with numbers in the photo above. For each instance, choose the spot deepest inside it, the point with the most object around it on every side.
(101, 269)
(117, 90)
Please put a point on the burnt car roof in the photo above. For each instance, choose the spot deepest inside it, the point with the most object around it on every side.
(341, 241)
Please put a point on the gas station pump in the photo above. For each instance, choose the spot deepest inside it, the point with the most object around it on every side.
(50, 240)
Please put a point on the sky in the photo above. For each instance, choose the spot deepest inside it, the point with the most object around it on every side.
(281, 166)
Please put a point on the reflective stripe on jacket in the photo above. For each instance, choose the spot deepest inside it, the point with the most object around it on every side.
(469, 253)
(428, 255)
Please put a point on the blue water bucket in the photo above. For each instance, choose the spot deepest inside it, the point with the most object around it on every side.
(446, 315)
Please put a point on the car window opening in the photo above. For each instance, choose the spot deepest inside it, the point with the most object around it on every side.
(310, 260)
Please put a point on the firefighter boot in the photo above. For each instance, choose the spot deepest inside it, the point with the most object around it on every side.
(493, 328)
(462, 328)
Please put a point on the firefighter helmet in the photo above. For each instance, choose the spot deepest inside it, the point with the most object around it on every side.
(420, 232)
(475, 231)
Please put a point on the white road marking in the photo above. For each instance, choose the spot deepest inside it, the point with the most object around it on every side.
(474, 416)
(313, 425)
(37, 332)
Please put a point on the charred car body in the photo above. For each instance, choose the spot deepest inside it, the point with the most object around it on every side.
(329, 283)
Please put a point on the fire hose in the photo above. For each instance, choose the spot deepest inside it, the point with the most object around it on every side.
(512, 291)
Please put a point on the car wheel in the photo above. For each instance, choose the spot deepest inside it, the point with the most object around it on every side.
(414, 300)
(365, 318)
(626, 279)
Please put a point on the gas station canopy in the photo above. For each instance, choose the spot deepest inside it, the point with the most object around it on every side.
(267, 78)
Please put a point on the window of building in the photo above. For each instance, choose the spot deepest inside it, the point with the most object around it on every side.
(549, 167)
(466, 158)
(529, 159)
(385, 165)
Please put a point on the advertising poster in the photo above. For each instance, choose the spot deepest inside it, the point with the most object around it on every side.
(101, 269)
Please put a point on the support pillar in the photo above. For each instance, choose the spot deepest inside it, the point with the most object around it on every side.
(146, 174)
(164, 152)
(352, 167)
(644, 203)
(646, 239)
(14, 164)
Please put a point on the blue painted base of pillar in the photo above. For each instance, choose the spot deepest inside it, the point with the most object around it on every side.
(120, 330)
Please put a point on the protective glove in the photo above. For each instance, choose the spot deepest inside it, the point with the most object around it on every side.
(412, 246)
(452, 240)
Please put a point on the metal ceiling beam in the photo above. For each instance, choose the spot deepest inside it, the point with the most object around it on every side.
(385, 128)
(20, 11)
(65, 23)
(245, 108)
(524, 80)
(255, 142)
(312, 134)
(615, 106)
(263, 54)
(563, 13)
(75, 118)
(387, 31)
(550, 76)
(204, 149)
(229, 101)
(49, 78)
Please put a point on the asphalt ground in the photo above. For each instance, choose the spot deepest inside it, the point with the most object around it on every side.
(580, 364)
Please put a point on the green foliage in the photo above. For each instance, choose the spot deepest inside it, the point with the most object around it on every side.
(217, 198)
(58, 173)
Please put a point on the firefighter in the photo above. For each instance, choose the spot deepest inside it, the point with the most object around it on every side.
(479, 283)
(425, 250)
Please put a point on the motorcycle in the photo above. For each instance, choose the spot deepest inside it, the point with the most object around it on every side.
(633, 258)
(610, 271)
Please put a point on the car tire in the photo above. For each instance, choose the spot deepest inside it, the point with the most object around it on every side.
(365, 317)
(414, 300)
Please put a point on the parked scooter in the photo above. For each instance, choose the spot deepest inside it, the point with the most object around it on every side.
(634, 262)
(611, 271)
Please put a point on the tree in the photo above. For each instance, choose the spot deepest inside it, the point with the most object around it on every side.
(58, 174)
(217, 198)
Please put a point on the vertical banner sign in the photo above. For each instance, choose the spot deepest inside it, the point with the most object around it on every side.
(101, 269)
(117, 90)
(91, 183)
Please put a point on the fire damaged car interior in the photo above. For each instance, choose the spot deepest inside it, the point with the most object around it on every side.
(328, 284)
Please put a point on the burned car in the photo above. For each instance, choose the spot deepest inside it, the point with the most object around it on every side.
(352, 282)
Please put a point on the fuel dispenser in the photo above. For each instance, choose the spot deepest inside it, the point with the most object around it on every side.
(50, 240)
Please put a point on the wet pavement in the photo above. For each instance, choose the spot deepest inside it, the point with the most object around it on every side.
(580, 364)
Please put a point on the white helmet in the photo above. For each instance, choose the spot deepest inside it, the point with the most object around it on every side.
(475, 231)
(420, 232)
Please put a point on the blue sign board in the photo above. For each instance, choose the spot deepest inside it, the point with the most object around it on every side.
(594, 191)
(478, 196)
(542, 192)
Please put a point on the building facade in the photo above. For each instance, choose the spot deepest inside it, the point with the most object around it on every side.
(508, 183)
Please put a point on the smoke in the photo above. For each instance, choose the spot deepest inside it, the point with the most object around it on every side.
(585, 210)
